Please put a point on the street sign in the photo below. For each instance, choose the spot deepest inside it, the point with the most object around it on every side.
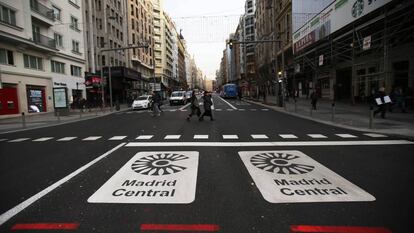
(152, 177)
(291, 176)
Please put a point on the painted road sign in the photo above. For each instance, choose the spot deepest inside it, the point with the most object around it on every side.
(291, 176)
(152, 177)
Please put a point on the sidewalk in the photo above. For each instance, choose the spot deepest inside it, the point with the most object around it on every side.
(49, 119)
(355, 117)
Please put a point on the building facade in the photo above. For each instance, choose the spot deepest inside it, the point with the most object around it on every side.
(41, 48)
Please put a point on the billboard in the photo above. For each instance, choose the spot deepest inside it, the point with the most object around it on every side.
(334, 17)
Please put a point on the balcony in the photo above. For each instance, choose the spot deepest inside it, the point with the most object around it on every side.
(43, 13)
(44, 40)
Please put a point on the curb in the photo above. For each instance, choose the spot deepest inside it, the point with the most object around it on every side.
(282, 110)
(63, 123)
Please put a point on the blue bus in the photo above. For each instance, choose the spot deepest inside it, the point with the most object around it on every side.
(229, 91)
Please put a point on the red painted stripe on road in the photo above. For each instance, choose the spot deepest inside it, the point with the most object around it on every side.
(338, 229)
(180, 227)
(45, 226)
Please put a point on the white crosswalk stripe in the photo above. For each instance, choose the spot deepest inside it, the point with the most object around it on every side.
(91, 138)
(344, 135)
(259, 136)
(198, 136)
(19, 140)
(171, 137)
(375, 135)
(66, 139)
(145, 137)
(231, 136)
(43, 139)
(317, 136)
(117, 138)
(287, 136)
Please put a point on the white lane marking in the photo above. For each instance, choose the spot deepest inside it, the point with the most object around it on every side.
(66, 139)
(219, 109)
(198, 136)
(19, 140)
(242, 109)
(265, 109)
(290, 176)
(287, 136)
(20, 207)
(296, 143)
(152, 177)
(259, 136)
(375, 135)
(317, 136)
(228, 103)
(231, 136)
(173, 110)
(92, 138)
(145, 137)
(170, 137)
(185, 106)
(346, 135)
(117, 138)
(3, 139)
(43, 139)
(183, 110)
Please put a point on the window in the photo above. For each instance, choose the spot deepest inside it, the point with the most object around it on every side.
(6, 57)
(75, 46)
(74, 2)
(102, 42)
(75, 71)
(74, 23)
(58, 40)
(103, 60)
(32, 62)
(58, 67)
(7, 15)
(57, 13)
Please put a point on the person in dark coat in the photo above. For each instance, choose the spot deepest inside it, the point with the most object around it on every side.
(207, 106)
(383, 106)
(195, 107)
(314, 100)
(155, 107)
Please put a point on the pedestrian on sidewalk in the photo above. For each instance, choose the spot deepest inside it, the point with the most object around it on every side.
(155, 107)
(195, 107)
(398, 96)
(207, 106)
(314, 99)
(382, 105)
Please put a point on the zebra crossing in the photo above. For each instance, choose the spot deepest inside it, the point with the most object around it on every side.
(175, 137)
(186, 110)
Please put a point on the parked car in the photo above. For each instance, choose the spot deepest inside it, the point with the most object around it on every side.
(177, 97)
(142, 102)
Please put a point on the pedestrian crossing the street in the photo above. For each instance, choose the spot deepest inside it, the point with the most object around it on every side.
(225, 137)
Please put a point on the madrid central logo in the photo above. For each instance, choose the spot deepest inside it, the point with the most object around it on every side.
(280, 163)
(159, 164)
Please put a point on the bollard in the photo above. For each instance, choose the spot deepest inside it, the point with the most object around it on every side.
(333, 112)
(371, 116)
(23, 120)
(58, 115)
(296, 106)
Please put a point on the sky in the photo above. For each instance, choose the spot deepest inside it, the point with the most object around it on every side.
(205, 24)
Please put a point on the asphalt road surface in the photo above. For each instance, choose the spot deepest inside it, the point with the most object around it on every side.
(251, 170)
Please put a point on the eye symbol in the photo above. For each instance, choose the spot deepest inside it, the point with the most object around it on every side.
(280, 163)
(158, 164)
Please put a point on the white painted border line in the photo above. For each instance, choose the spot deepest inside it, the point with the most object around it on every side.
(228, 103)
(296, 143)
(200, 136)
(17, 209)
(144, 137)
(375, 135)
(19, 140)
(92, 138)
(172, 137)
(230, 136)
(43, 139)
(66, 139)
(117, 138)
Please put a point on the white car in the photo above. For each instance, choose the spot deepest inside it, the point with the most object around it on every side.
(142, 102)
(177, 97)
